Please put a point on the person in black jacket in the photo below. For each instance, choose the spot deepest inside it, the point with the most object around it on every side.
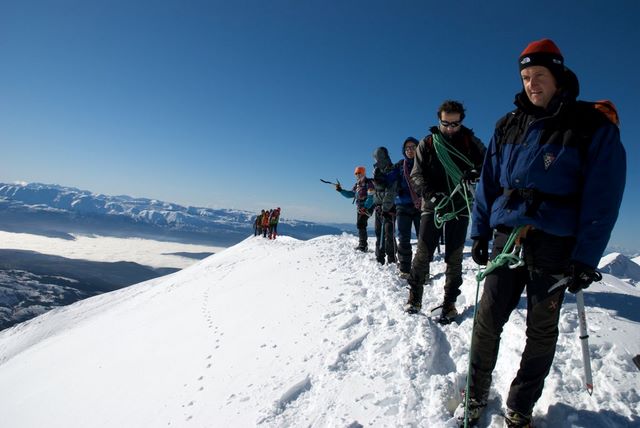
(386, 187)
(446, 159)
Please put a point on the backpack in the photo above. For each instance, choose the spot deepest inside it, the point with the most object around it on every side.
(582, 123)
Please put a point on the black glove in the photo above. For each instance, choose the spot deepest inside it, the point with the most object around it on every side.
(338, 187)
(480, 251)
(470, 175)
(581, 276)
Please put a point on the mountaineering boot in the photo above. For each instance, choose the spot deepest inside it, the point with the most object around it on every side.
(515, 419)
(362, 237)
(476, 408)
(448, 314)
(404, 275)
(414, 304)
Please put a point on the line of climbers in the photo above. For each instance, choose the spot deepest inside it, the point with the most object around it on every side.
(551, 180)
(266, 223)
(419, 193)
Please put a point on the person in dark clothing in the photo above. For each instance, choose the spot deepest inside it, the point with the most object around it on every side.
(556, 166)
(362, 194)
(441, 179)
(407, 206)
(258, 224)
(385, 182)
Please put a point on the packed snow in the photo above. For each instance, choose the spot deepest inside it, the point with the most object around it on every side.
(298, 333)
(147, 252)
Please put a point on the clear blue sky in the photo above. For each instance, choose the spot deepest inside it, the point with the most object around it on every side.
(247, 104)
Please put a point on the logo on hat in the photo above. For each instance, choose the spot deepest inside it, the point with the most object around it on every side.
(525, 60)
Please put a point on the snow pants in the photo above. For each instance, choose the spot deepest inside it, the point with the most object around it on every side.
(406, 217)
(546, 258)
(385, 238)
(455, 233)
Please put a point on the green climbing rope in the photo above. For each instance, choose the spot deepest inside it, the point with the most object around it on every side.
(446, 154)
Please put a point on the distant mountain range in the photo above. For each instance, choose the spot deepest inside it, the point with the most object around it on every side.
(53, 210)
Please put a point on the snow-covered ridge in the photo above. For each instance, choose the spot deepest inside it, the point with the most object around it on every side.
(292, 333)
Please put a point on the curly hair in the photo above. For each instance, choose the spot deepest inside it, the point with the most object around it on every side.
(451, 106)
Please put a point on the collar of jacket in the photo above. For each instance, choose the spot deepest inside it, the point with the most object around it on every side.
(459, 136)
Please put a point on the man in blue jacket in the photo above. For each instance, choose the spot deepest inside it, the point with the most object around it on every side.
(555, 165)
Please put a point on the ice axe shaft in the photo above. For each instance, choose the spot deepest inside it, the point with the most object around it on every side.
(584, 340)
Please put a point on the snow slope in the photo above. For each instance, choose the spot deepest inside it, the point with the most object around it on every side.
(297, 333)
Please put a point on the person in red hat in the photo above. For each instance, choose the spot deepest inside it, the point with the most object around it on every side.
(553, 177)
(362, 195)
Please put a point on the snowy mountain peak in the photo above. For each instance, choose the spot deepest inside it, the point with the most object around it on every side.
(620, 266)
(296, 333)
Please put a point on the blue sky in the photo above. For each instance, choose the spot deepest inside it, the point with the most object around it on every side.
(247, 104)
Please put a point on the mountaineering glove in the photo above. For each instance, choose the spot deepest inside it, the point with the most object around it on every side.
(480, 251)
(581, 276)
(470, 175)
(338, 187)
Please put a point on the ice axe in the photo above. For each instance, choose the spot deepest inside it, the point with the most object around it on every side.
(337, 183)
(584, 334)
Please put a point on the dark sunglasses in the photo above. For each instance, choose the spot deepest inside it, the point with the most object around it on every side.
(410, 148)
(448, 124)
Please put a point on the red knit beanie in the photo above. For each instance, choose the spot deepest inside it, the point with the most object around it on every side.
(545, 53)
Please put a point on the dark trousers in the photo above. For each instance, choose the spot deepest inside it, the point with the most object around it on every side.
(455, 233)
(361, 224)
(385, 238)
(406, 217)
(546, 258)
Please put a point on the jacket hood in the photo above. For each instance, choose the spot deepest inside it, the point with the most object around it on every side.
(408, 140)
(381, 155)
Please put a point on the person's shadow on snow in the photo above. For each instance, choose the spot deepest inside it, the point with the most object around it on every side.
(562, 415)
